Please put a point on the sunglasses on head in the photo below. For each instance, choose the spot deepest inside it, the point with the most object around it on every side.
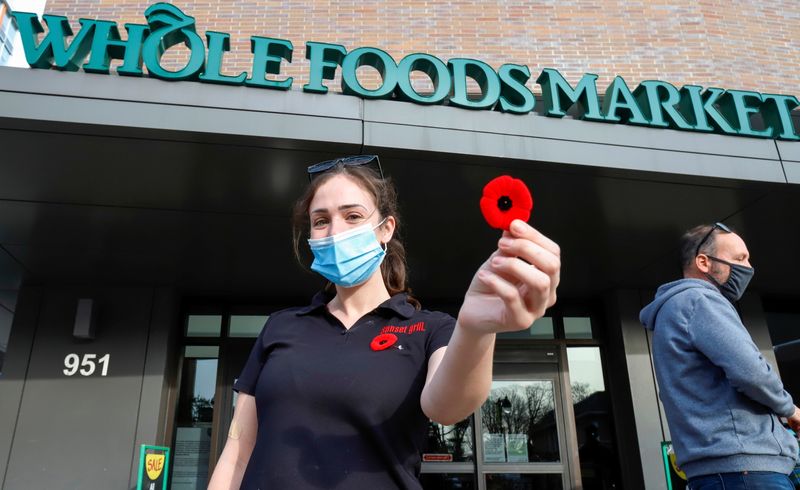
(717, 226)
(351, 161)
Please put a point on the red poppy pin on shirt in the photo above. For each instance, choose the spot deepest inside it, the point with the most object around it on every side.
(383, 341)
(504, 200)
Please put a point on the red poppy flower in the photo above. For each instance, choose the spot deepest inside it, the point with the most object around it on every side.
(383, 341)
(504, 200)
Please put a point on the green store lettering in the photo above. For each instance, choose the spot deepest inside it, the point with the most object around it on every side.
(652, 103)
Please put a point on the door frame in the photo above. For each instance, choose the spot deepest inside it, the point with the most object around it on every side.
(233, 352)
(526, 362)
(545, 362)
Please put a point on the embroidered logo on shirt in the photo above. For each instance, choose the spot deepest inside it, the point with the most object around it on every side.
(388, 336)
(404, 329)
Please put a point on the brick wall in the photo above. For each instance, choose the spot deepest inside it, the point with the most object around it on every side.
(751, 45)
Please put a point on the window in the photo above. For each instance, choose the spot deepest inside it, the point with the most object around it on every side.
(578, 327)
(518, 422)
(246, 325)
(217, 340)
(8, 32)
(450, 443)
(195, 416)
(204, 326)
(541, 329)
(594, 422)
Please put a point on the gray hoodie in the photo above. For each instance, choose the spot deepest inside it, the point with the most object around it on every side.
(720, 396)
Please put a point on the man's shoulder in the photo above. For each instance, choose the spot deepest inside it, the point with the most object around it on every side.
(688, 298)
(692, 305)
(701, 308)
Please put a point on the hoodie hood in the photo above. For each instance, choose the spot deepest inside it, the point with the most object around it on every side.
(665, 293)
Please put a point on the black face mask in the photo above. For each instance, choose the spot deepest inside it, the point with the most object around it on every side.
(737, 282)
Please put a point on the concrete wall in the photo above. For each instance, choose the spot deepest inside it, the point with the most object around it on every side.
(83, 431)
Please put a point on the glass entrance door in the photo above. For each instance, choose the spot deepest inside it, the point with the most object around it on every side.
(522, 430)
(235, 356)
(194, 422)
(217, 344)
(517, 439)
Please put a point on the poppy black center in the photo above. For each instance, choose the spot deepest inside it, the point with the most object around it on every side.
(504, 203)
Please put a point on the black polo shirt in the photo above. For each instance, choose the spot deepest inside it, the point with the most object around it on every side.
(332, 411)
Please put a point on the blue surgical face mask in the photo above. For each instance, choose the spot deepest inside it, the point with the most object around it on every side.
(349, 258)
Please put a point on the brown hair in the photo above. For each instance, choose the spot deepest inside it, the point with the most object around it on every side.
(692, 238)
(393, 267)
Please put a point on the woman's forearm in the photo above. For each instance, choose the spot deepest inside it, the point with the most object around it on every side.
(462, 378)
(232, 463)
(229, 470)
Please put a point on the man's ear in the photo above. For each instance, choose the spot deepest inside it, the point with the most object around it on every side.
(703, 263)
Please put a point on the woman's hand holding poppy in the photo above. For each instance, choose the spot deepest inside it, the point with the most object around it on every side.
(511, 290)
(515, 286)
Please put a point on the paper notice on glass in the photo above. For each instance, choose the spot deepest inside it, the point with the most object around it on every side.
(494, 450)
(517, 448)
(191, 454)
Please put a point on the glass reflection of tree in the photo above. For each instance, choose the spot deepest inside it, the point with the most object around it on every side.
(531, 411)
(451, 439)
(529, 405)
(580, 391)
(202, 410)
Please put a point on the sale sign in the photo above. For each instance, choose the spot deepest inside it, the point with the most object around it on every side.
(154, 464)
(153, 468)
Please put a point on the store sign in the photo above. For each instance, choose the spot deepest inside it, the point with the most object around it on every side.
(653, 103)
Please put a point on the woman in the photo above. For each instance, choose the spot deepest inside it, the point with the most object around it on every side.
(337, 394)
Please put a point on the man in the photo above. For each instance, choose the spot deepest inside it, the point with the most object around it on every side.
(722, 399)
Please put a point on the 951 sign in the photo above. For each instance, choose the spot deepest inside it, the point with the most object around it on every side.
(86, 365)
